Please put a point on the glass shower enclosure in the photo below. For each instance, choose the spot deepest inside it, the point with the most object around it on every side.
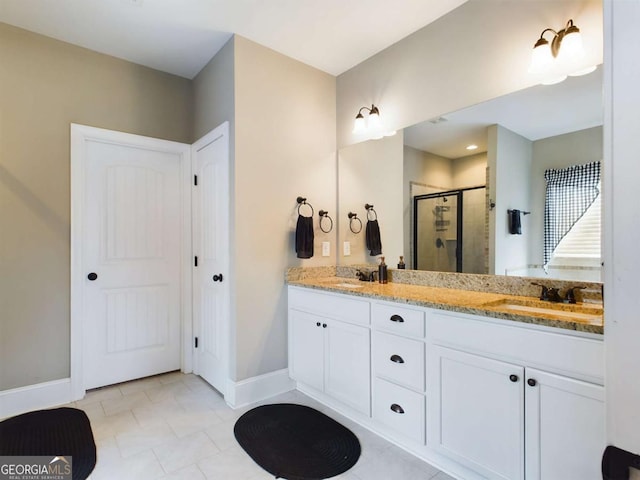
(449, 231)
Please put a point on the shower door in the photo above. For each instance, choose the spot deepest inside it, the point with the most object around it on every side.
(449, 231)
(436, 232)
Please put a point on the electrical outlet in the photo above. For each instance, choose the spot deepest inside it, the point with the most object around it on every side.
(346, 249)
(326, 249)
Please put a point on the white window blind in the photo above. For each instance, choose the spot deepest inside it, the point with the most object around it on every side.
(581, 245)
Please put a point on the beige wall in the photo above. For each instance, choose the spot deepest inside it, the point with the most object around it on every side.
(509, 158)
(427, 73)
(284, 147)
(469, 171)
(371, 172)
(44, 86)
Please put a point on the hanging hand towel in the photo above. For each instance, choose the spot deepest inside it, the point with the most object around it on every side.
(304, 237)
(372, 238)
(515, 225)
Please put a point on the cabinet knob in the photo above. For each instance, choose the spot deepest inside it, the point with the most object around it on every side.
(317, 324)
(397, 408)
(532, 382)
(396, 359)
(513, 378)
(396, 318)
(324, 325)
(92, 276)
(217, 277)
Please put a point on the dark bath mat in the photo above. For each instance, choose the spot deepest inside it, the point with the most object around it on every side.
(62, 432)
(296, 442)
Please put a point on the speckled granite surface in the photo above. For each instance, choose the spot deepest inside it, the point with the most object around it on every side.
(582, 317)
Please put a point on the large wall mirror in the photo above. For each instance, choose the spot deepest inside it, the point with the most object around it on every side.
(445, 208)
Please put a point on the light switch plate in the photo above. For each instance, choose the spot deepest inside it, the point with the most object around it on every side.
(346, 249)
(326, 249)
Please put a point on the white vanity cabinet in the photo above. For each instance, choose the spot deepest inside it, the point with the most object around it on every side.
(492, 411)
(329, 346)
(479, 397)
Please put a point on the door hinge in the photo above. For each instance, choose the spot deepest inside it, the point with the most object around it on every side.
(195, 261)
(195, 180)
(196, 341)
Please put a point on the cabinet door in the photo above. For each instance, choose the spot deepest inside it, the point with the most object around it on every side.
(306, 348)
(475, 411)
(347, 365)
(565, 431)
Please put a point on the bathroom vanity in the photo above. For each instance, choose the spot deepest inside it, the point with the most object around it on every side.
(459, 378)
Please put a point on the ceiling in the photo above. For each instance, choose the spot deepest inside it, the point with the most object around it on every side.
(181, 36)
(534, 113)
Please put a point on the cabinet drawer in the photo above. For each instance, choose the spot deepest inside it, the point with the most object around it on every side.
(399, 359)
(339, 307)
(559, 352)
(399, 320)
(399, 409)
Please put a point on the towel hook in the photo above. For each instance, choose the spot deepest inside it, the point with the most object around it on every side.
(521, 211)
(353, 216)
(370, 209)
(303, 201)
(324, 214)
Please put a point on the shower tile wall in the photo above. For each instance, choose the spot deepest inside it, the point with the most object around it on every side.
(473, 241)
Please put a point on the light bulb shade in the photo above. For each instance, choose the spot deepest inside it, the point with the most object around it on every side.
(571, 47)
(541, 57)
(583, 71)
(359, 125)
(373, 122)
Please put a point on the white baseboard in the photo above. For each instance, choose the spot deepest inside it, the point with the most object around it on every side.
(254, 389)
(35, 397)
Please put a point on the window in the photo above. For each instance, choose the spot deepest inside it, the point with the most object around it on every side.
(572, 216)
(581, 245)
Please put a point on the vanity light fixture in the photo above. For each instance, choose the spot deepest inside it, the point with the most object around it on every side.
(554, 60)
(371, 125)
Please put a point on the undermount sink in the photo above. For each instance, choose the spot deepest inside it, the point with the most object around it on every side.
(557, 310)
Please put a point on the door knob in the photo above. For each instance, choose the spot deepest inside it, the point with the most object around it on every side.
(92, 276)
(217, 277)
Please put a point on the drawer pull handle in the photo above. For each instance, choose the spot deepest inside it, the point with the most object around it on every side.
(397, 408)
(396, 359)
(397, 318)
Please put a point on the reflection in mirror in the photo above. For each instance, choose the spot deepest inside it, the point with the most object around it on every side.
(518, 137)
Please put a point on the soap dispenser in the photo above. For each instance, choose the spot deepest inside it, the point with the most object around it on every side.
(401, 264)
(382, 271)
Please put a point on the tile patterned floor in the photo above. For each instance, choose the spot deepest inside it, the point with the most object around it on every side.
(175, 426)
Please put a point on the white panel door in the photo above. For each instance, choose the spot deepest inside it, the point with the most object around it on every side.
(475, 412)
(132, 256)
(565, 427)
(211, 247)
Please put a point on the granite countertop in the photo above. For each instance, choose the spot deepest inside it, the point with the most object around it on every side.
(578, 317)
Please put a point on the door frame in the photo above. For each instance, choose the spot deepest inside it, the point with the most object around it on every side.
(80, 135)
